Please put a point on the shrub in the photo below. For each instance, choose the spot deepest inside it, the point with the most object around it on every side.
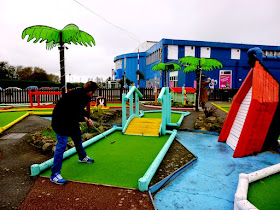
(209, 111)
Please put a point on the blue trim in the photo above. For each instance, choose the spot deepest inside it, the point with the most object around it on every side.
(217, 44)
(171, 177)
(130, 55)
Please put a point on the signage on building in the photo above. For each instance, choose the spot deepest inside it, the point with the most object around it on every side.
(225, 81)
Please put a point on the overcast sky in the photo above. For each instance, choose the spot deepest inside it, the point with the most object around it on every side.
(118, 27)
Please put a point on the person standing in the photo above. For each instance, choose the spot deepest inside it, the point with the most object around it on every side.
(203, 90)
(68, 112)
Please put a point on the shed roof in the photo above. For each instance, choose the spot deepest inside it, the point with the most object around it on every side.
(179, 89)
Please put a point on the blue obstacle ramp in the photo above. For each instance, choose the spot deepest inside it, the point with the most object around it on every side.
(212, 181)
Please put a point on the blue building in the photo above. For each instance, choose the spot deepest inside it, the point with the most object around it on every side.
(233, 57)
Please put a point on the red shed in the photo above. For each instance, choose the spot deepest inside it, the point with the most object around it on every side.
(176, 94)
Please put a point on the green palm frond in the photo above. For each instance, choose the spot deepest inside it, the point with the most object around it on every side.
(41, 32)
(51, 45)
(84, 38)
(159, 67)
(173, 66)
(70, 33)
(190, 68)
(189, 60)
(214, 63)
(206, 64)
(166, 67)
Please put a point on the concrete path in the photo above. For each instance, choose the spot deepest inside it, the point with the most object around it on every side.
(16, 156)
(212, 181)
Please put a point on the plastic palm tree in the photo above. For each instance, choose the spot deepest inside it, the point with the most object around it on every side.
(55, 37)
(197, 65)
(166, 67)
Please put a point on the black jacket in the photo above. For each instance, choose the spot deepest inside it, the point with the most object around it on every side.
(69, 111)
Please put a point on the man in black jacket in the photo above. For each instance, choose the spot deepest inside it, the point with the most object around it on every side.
(68, 112)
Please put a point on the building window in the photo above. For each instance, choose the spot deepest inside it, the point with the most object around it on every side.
(173, 79)
(153, 57)
(118, 64)
(172, 52)
(235, 54)
(205, 52)
(271, 53)
(189, 51)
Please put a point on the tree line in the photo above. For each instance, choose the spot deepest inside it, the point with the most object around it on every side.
(9, 72)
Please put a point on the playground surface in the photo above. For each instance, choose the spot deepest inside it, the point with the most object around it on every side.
(119, 164)
(212, 181)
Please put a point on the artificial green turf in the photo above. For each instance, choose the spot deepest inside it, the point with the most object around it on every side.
(118, 164)
(8, 117)
(225, 108)
(52, 134)
(114, 104)
(264, 194)
(175, 117)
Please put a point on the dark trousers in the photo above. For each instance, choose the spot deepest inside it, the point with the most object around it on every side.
(61, 147)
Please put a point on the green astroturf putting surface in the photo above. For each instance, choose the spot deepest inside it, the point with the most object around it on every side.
(225, 108)
(115, 105)
(175, 117)
(264, 194)
(8, 117)
(119, 164)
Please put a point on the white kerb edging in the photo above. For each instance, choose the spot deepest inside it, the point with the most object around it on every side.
(240, 198)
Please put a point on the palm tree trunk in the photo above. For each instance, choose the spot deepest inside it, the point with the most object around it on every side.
(62, 66)
(165, 82)
(197, 89)
(198, 75)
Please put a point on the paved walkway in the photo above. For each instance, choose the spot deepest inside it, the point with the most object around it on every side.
(212, 181)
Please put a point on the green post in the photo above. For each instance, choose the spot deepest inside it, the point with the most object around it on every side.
(130, 103)
(137, 104)
(123, 110)
(183, 88)
(168, 108)
(164, 110)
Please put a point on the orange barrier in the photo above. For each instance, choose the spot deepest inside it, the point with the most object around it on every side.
(37, 93)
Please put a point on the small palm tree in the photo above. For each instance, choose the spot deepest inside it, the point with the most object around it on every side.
(197, 65)
(55, 37)
(166, 67)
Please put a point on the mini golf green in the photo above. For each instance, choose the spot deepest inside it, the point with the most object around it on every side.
(225, 108)
(264, 194)
(119, 164)
(175, 117)
(115, 104)
(8, 117)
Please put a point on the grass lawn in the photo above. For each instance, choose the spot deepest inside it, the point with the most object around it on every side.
(8, 117)
(264, 194)
(118, 164)
(175, 117)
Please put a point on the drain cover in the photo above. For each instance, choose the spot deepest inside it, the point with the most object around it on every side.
(13, 136)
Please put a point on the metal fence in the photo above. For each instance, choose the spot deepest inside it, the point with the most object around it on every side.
(111, 94)
(222, 94)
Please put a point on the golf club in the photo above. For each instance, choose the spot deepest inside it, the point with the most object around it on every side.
(112, 142)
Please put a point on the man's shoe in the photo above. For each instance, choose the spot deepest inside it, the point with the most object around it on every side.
(86, 159)
(58, 179)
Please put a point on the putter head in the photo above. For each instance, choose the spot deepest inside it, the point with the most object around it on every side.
(113, 142)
